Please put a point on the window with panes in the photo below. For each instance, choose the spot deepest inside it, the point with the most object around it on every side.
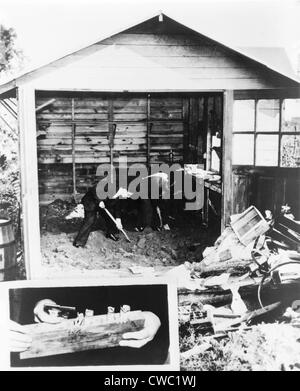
(266, 132)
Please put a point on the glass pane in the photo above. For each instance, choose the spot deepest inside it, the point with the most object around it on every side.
(243, 147)
(291, 115)
(268, 115)
(243, 116)
(290, 151)
(266, 150)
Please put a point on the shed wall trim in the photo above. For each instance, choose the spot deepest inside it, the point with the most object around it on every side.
(29, 181)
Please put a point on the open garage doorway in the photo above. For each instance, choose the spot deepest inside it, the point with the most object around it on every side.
(77, 132)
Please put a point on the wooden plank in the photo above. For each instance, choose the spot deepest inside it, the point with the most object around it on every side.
(287, 93)
(29, 181)
(167, 114)
(289, 223)
(177, 50)
(174, 102)
(249, 225)
(133, 103)
(93, 158)
(240, 191)
(226, 208)
(179, 62)
(65, 102)
(130, 110)
(120, 80)
(79, 110)
(209, 108)
(44, 105)
(129, 117)
(65, 115)
(125, 59)
(149, 128)
(153, 39)
(73, 149)
(90, 141)
(171, 127)
(95, 332)
(166, 139)
(194, 72)
(131, 127)
(137, 135)
(185, 128)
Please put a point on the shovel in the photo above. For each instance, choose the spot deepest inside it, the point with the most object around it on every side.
(102, 206)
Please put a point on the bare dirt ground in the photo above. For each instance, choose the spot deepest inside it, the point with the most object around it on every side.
(185, 242)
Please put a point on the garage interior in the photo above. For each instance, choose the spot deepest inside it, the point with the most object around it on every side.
(73, 132)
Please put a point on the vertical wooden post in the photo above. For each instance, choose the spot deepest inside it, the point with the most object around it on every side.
(29, 181)
(208, 135)
(149, 127)
(73, 150)
(186, 129)
(111, 136)
(227, 191)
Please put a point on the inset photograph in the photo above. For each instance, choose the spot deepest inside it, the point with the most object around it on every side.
(82, 326)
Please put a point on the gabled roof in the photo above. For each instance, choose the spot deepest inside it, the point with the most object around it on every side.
(273, 59)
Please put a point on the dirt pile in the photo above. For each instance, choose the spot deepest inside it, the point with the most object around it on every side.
(147, 248)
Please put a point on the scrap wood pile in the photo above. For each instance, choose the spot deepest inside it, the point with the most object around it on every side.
(250, 275)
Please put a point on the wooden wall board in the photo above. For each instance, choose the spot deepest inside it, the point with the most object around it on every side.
(161, 60)
(96, 332)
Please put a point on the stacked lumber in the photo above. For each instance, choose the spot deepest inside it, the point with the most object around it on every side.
(229, 262)
(287, 231)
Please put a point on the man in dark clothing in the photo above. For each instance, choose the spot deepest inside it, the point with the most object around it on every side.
(92, 209)
(116, 204)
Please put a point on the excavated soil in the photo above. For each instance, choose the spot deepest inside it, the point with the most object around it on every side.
(184, 242)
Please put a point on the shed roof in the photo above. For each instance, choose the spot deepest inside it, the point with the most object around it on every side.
(274, 59)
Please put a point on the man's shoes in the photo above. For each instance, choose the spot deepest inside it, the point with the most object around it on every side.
(77, 245)
(113, 237)
(139, 229)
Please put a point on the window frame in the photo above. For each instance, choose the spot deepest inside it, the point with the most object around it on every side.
(280, 133)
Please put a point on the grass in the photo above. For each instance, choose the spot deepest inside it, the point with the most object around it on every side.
(266, 347)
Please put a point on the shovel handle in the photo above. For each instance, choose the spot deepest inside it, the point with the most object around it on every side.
(114, 220)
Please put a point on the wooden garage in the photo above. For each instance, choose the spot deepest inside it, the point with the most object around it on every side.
(167, 94)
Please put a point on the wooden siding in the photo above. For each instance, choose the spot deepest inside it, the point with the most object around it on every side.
(171, 58)
(166, 129)
(144, 135)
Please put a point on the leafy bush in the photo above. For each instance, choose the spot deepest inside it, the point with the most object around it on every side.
(10, 189)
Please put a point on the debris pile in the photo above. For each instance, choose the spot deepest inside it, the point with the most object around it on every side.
(250, 275)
